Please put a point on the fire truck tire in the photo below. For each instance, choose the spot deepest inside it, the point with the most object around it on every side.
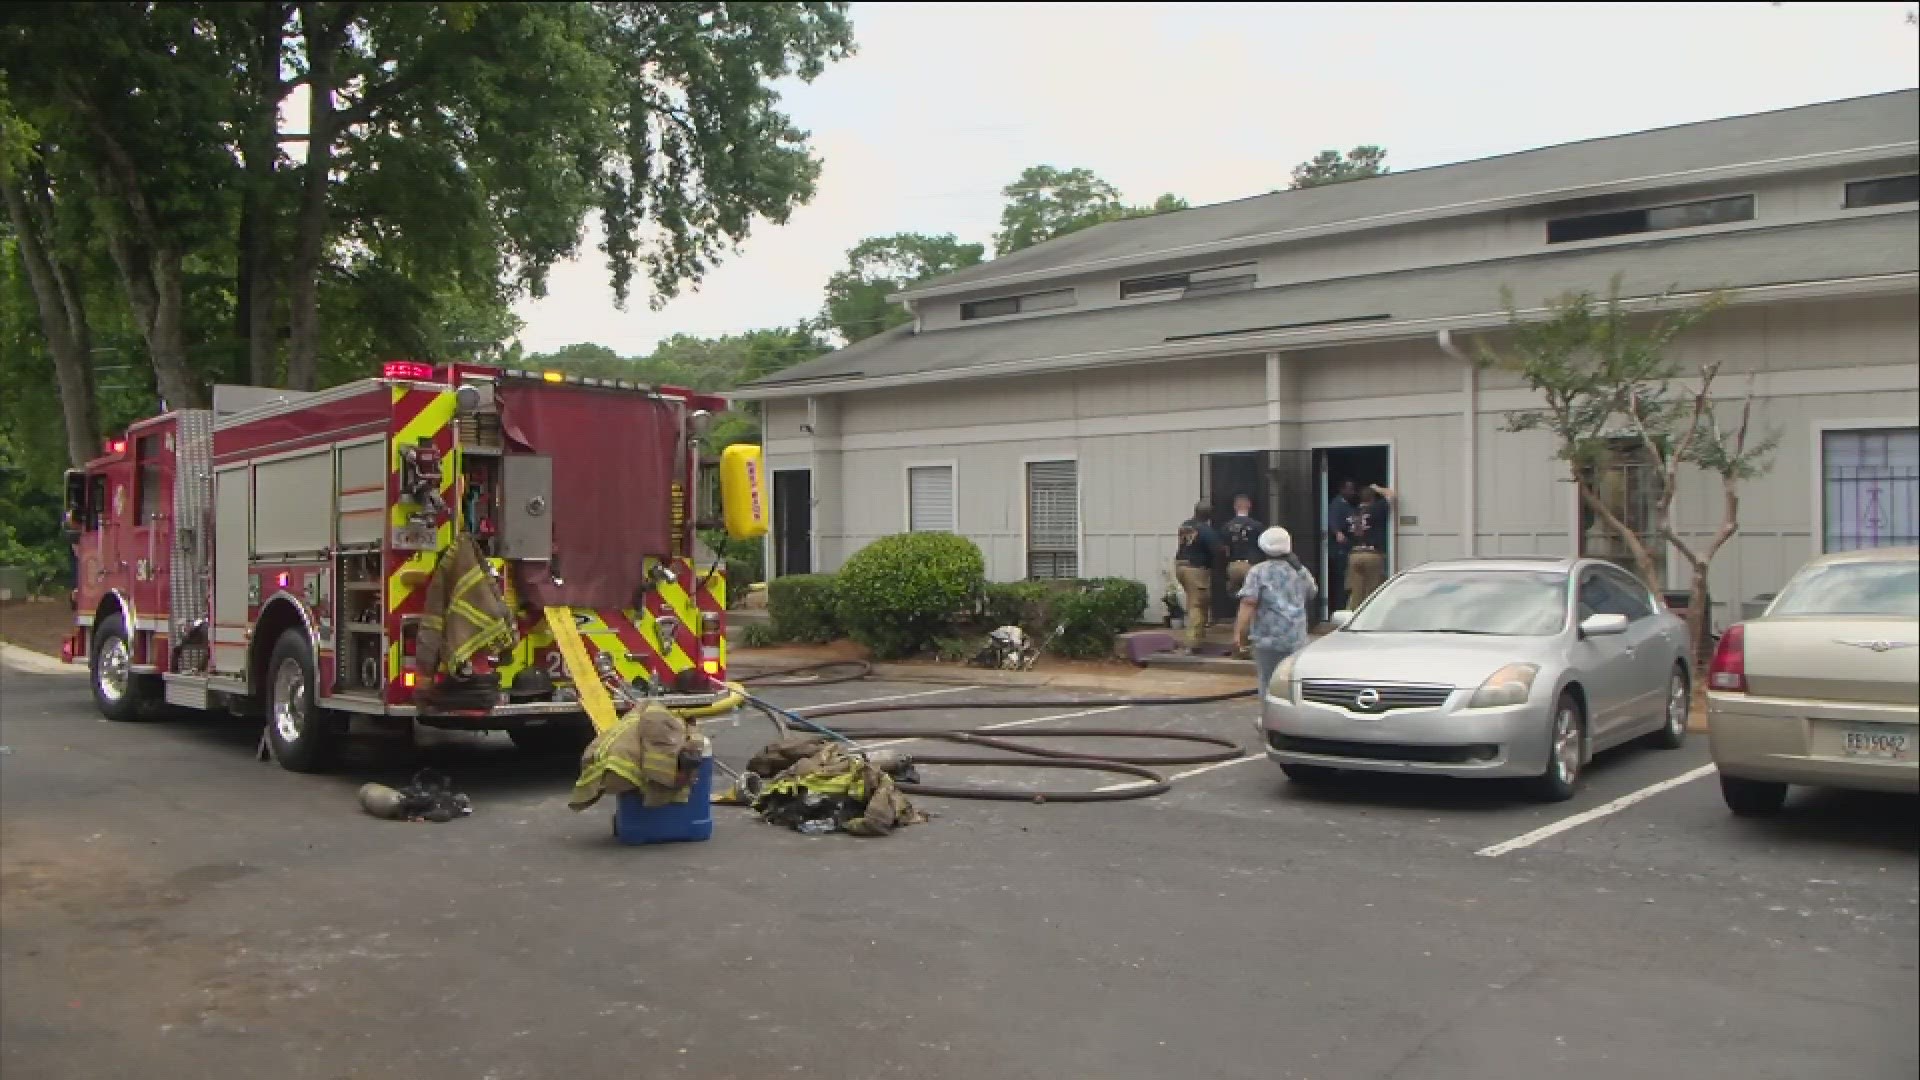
(121, 695)
(552, 740)
(305, 739)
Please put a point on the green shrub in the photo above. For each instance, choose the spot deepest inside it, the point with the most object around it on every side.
(758, 635)
(897, 593)
(1026, 604)
(802, 607)
(958, 648)
(1086, 614)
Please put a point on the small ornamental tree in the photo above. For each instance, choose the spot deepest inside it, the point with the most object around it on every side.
(1603, 375)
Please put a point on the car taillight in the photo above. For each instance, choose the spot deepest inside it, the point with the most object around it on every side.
(1729, 670)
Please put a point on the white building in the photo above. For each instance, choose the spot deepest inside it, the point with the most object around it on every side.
(1065, 405)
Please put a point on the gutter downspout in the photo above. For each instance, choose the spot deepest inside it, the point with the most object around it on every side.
(1470, 420)
(814, 484)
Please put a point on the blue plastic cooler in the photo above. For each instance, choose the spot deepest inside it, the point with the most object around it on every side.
(635, 823)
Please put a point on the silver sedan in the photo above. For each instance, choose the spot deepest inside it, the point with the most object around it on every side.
(1514, 667)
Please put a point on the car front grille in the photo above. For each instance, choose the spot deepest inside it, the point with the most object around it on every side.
(1364, 697)
(1370, 751)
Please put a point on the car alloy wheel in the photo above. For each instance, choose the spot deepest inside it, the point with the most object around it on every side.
(1566, 744)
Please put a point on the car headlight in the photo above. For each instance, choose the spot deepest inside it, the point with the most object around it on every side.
(1281, 685)
(1508, 686)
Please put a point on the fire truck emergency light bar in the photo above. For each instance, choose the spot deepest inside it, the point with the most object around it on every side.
(418, 371)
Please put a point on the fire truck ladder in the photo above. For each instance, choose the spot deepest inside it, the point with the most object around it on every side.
(586, 679)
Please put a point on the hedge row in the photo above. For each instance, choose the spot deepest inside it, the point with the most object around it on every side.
(904, 594)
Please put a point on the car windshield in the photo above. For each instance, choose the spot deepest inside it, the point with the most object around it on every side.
(1520, 603)
(1853, 588)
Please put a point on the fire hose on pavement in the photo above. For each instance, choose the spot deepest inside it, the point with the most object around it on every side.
(1017, 753)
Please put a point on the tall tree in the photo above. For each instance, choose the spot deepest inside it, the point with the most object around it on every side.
(1605, 378)
(1329, 167)
(458, 145)
(1047, 202)
(879, 266)
(55, 279)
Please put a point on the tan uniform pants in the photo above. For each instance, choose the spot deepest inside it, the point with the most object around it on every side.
(1237, 574)
(1197, 583)
(1365, 571)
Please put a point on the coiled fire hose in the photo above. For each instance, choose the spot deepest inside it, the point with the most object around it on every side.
(1018, 753)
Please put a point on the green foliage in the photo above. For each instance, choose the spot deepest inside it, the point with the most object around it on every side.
(1078, 619)
(711, 364)
(1047, 202)
(30, 531)
(897, 593)
(958, 648)
(857, 305)
(1593, 363)
(804, 607)
(1329, 167)
(743, 561)
(759, 636)
(447, 163)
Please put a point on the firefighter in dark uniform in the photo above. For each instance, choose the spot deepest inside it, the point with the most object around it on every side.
(1243, 547)
(1200, 550)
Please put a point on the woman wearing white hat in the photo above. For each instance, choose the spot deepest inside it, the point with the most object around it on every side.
(1273, 605)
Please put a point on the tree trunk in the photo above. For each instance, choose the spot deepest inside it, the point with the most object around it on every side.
(310, 226)
(1699, 620)
(152, 268)
(255, 286)
(1592, 501)
(63, 316)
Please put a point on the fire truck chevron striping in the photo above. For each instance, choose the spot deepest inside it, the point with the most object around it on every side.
(273, 555)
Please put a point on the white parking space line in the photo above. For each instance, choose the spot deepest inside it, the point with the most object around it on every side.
(1184, 775)
(1598, 812)
(804, 709)
(1010, 724)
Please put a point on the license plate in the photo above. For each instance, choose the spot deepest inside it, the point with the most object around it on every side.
(1873, 743)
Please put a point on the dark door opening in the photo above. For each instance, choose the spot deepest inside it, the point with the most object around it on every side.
(792, 522)
(1222, 478)
(1335, 465)
(1280, 484)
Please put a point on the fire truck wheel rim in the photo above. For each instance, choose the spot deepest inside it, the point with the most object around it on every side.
(114, 674)
(290, 700)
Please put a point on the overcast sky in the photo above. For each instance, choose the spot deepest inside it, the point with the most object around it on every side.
(945, 104)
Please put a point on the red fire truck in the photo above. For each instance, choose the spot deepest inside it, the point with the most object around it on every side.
(271, 556)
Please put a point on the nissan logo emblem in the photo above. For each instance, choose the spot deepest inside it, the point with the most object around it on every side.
(1366, 699)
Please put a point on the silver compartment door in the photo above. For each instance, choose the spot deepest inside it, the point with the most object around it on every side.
(526, 518)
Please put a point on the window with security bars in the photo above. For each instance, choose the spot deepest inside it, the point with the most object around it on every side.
(930, 498)
(1870, 488)
(1053, 520)
(1627, 480)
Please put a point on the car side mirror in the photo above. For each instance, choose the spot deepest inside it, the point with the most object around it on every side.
(1339, 619)
(1603, 625)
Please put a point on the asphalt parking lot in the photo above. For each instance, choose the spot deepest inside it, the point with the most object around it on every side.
(166, 903)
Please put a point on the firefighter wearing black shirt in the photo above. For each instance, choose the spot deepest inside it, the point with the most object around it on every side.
(1200, 550)
(1243, 548)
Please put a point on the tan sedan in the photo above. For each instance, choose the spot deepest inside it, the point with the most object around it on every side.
(1823, 689)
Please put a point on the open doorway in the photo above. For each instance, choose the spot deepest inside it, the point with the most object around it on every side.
(1363, 464)
(1222, 477)
(792, 522)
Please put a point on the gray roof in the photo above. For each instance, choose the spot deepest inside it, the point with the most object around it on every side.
(1326, 312)
(1831, 127)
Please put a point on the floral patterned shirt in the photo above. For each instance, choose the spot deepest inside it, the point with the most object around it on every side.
(1281, 594)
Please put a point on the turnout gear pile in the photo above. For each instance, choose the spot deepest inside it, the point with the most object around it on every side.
(650, 750)
(816, 786)
(429, 797)
(1008, 648)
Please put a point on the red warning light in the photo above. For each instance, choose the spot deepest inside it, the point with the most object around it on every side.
(414, 370)
(116, 446)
